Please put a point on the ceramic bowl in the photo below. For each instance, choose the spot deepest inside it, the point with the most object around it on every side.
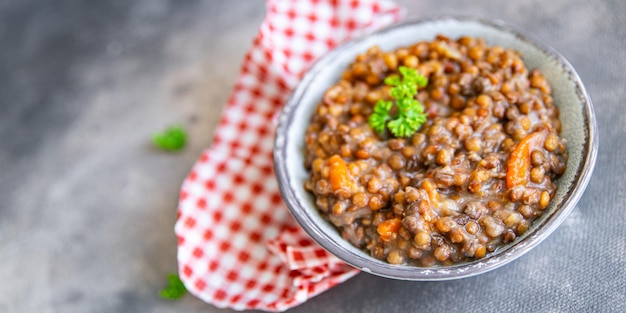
(578, 128)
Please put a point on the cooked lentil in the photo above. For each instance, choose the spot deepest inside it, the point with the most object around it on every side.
(473, 178)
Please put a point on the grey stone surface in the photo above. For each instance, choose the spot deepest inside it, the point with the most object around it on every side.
(87, 206)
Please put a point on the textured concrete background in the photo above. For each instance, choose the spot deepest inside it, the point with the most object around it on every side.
(87, 206)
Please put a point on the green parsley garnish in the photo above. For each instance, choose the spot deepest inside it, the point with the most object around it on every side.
(409, 114)
(175, 288)
(172, 139)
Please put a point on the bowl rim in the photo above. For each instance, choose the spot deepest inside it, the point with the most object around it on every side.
(415, 273)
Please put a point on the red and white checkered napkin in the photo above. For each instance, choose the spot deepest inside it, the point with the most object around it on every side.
(238, 246)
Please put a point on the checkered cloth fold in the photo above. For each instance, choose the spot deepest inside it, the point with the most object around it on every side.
(238, 247)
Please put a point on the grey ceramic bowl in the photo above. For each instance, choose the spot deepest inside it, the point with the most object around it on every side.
(578, 128)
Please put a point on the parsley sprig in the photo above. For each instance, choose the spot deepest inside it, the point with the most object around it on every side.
(173, 138)
(175, 288)
(409, 114)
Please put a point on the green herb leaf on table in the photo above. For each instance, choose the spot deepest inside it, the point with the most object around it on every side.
(173, 138)
(409, 114)
(175, 288)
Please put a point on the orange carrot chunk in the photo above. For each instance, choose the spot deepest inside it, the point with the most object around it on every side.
(338, 174)
(518, 165)
(388, 229)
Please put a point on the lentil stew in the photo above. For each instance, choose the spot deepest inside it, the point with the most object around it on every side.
(473, 178)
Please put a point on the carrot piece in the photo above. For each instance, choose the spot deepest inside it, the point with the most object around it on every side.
(431, 189)
(518, 165)
(388, 229)
(338, 174)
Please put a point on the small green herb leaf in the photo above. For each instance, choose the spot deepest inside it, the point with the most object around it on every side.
(175, 288)
(411, 75)
(172, 139)
(393, 80)
(409, 115)
(378, 119)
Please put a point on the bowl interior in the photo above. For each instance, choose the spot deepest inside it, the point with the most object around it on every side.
(578, 128)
